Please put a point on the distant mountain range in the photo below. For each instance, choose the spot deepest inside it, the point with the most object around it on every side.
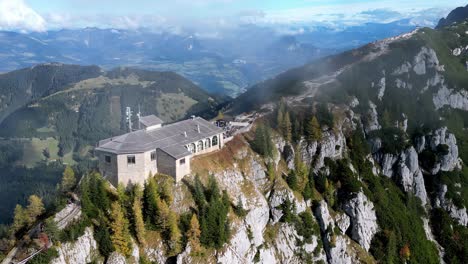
(226, 64)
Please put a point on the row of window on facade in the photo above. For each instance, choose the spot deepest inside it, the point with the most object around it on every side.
(202, 144)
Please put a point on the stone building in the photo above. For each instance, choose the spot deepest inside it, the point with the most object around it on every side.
(156, 148)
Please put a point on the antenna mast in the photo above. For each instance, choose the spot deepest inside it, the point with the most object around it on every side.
(128, 118)
(139, 117)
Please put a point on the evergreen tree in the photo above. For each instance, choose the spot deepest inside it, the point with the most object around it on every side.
(173, 235)
(20, 219)
(287, 127)
(279, 119)
(152, 200)
(193, 235)
(292, 180)
(313, 130)
(35, 208)
(296, 130)
(165, 191)
(139, 223)
(120, 235)
(68, 179)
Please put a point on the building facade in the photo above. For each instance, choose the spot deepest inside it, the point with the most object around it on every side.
(157, 148)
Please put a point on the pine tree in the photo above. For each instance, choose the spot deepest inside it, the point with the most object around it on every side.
(313, 130)
(139, 223)
(193, 235)
(120, 235)
(152, 201)
(20, 219)
(173, 235)
(162, 215)
(68, 179)
(279, 119)
(35, 208)
(287, 127)
(165, 191)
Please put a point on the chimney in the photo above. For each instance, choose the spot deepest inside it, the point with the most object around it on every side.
(193, 117)
(185, 133)
(198, 128)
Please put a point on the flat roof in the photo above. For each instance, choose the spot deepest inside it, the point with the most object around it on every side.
(170, 138)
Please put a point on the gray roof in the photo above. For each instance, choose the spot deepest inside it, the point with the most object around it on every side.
(169, 138)
(150, 120)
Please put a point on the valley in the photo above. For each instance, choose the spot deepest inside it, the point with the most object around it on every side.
(348, 156)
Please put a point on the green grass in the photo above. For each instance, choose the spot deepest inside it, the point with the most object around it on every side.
(33, 151)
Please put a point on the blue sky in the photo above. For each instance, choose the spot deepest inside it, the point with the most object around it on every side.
(36, 15)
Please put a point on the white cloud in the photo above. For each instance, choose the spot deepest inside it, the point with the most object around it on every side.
(17, 15)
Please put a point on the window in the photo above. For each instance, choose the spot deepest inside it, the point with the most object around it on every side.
(182, 161)
(207, 143)
(193, 148)
(215, 140)
(108, 159)
(131, 160)
(153, 155)
(200, 145)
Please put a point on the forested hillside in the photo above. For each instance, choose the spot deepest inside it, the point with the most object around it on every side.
(55, 113)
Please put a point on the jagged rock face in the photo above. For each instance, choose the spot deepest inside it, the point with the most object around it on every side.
(363, 219)
(452, 98)
(277, 197)
(450, 161)
(323, 216)
(155, 253)
(331, 146)
(420, 143)
(340, 252)
(372, 120)
(343, 222)
(287, 249)
(307, 151)
(337, 247)
(456, 213)
(116, 258)
(386, 161)
(426, 58)
(83, 250)
(410, 175)
(288, 154)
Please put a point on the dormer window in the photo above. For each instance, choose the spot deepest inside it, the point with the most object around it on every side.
(153, 156)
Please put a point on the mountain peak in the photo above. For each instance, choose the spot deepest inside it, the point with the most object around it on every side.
(457, 15)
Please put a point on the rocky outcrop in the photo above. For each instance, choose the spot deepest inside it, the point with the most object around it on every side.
(386, 161)
(331, 146)
(449, 161)
(288, 155)
(278, 195)
(410, 176)
(451, 98)
(363, 219)
(372, 121)
(287, 250)
(456, 213)
(343, 222)
(426, 58)
(116, 258)
(338, 247)
(83, 250)
(307, 150)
